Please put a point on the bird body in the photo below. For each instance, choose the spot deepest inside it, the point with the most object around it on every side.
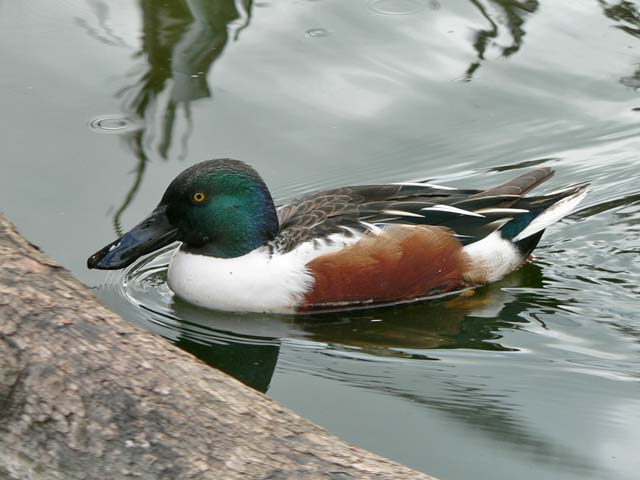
(351, 247)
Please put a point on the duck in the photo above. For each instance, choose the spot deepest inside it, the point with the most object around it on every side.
(351, 247)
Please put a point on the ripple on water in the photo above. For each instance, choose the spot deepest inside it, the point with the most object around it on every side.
(318, 32)
(115, 124)
(396, 7)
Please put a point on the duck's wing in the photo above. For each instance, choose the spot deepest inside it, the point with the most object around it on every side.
(470, 214)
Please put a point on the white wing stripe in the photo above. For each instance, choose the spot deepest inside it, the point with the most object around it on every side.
(428, 185)
(450, 209)
(502, 210)
(373, 228)
(402, 213)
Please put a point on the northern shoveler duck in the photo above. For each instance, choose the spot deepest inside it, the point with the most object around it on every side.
(349, 247)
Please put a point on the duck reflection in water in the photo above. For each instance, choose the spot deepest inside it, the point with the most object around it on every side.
(247, 346)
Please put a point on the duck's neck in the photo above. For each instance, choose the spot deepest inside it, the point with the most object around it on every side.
(229, 247)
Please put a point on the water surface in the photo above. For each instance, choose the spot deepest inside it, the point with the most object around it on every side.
(537, 376)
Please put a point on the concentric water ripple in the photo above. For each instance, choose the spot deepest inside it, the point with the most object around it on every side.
(115, 124)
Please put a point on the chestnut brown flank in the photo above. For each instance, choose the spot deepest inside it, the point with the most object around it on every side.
(399, 264)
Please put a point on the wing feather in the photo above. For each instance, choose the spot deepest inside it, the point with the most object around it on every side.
(471, 214)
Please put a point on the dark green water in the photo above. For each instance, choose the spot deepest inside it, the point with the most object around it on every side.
(103, 103)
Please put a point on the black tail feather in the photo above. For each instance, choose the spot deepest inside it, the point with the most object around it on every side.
(520, 185)
(527, 245)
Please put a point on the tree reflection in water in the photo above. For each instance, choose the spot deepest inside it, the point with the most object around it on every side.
(627, 16)
(181, 40)
(513, 15)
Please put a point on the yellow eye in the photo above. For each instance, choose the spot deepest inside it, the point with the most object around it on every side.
(199, 197)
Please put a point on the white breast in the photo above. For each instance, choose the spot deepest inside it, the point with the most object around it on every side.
(255, 282)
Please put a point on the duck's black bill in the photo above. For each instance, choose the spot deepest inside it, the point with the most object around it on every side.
(153, 233)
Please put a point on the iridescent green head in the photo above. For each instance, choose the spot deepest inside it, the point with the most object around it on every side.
(220, 208)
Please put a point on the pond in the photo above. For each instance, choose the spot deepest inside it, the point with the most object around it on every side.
(537, 376)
